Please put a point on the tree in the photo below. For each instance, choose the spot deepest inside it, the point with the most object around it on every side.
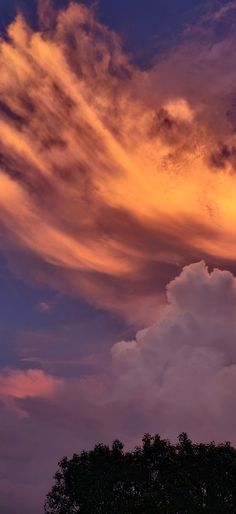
(157, 478)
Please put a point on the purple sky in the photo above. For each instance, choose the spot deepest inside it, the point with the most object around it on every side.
(117, 245)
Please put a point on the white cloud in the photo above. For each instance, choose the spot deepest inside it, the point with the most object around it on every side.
(181, 372)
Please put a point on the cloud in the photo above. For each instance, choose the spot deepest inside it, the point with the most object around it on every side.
(46, 14)
(24, 496)
(110, 174)
(178, 374)
(27, 384)
(112, 178)
(44, 307)
(31, 383)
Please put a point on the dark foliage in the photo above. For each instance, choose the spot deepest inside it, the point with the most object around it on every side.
(157, 478)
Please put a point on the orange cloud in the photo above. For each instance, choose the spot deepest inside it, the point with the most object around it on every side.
(106, 170)
(31, 383)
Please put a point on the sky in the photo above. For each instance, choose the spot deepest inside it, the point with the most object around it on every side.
(117, 230)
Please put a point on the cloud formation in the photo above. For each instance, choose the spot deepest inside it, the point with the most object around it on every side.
(111, 177)
(31, 383)
(178, 374)
(181, 372)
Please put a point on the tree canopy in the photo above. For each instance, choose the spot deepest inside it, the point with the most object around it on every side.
(159, 477)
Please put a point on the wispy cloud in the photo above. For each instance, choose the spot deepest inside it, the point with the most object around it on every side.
(107, 171)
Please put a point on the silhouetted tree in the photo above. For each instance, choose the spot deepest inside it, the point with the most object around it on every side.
(157, 478)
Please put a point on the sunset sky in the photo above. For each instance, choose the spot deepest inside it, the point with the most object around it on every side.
(117, 229)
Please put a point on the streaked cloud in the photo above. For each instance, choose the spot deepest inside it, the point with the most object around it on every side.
(109, 171)
(27, 384)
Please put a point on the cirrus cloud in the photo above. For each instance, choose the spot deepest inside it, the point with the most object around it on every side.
(110, 174)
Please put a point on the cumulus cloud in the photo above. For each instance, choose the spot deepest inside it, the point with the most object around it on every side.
(111, 175)
(181, 372)
(178, 374)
